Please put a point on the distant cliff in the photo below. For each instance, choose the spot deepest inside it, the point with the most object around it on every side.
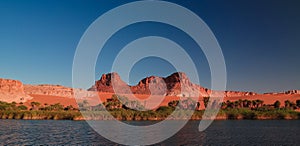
(15, 91)
(177, 84)
(12, 90)
(55, 90)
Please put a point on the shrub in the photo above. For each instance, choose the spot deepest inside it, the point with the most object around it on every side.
(277, 104)
(249, 115)
(298, 103)
(205, 100)
(22, 107)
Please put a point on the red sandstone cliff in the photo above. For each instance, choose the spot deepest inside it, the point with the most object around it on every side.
(12, 90)
(15, 91)
(177, 84)
(55, 90)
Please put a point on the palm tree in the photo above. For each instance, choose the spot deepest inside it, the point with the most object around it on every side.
(229, 104)
(287, 104)
(173, 103)
(277, 104)
(249, 103)
(35, 105)
(70, 107)
(259, 103)
(198, 105)
(298, 103)
(254, 103)
(205, 100)
(223, 105)
(240, 105)
(236, 104)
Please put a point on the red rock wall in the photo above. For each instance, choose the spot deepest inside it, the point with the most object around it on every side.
(55, 90)
(177, 84)
(12, 90)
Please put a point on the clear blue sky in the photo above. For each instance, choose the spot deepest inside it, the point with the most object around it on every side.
(260, 41)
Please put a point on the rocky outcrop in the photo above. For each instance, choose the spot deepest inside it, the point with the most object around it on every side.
(150, 85)
(177, 84)
(56, 90)
(291, 92)
(12, 91)
(111, 83)
(238, 93)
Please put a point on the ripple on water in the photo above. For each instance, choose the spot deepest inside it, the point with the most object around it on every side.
(250, 132)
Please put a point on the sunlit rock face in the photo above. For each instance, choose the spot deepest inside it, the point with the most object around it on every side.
(291, 92)
(177, 84)
(111, 83)
(12, 91)
(55, 90)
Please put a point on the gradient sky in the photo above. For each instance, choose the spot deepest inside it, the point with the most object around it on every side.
(260, 41)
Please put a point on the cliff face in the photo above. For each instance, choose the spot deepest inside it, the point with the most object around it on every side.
(177, 84)
(291, 92)
(55, 90)
(170, 86)
(15, 91)
(12, 90)
(238, 93)
(109, 82)
(151, 85)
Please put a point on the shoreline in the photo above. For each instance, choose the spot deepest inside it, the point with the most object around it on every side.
(99, 116)
(123, 109)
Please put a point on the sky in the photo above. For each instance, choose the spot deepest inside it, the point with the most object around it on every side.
(260, 41)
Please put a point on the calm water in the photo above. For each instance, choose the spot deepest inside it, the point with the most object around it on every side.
(22, 132)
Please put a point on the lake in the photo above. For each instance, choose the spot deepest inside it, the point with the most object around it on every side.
(227, 132)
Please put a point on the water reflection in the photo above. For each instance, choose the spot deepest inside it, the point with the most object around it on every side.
(272, 132)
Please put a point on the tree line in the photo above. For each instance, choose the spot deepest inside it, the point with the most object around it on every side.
(124, 109)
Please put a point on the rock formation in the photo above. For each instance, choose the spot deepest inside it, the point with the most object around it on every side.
(150, 85)
(110, 82)
(291, 92)
(238, 93)
(170, 86)
(55, 90)
(12, 91)
(177, 84)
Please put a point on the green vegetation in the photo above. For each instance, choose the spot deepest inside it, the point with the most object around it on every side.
(255, 109)
(259, 114)
(298, 103)
(37, 111)
(39, 115)
(205, 100)
(277, 104)
(290, 105)
(121, 108)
